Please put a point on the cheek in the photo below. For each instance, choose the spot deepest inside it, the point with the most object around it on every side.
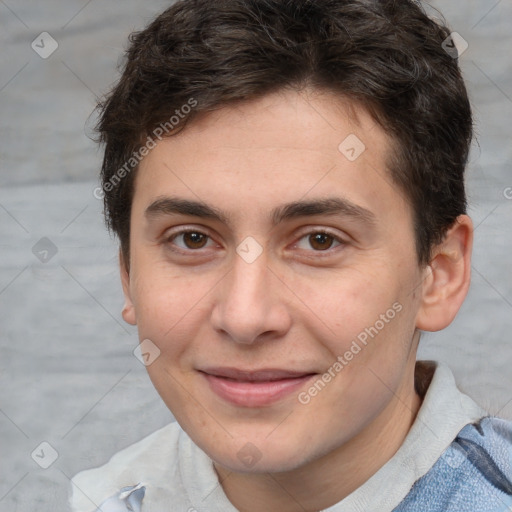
(351, 301)
(370, 319)
(372, 354)
(167, 304)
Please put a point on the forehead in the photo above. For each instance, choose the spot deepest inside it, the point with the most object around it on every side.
(257, 155)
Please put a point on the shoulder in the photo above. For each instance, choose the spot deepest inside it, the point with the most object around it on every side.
(148, 461)
(473, 474)
(487, 445)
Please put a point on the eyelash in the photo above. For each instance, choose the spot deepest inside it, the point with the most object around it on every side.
(327, 232)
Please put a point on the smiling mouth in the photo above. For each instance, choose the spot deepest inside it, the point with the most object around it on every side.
(254, 388)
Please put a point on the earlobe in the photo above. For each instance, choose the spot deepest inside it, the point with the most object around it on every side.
(447, 277)
(128, 311)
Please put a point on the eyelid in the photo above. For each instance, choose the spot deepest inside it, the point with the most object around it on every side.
(310, 230)
(320, 230)
(179, 230)
(169, 236)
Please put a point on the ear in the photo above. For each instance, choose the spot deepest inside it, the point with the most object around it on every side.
(128, 309)
(447, 277)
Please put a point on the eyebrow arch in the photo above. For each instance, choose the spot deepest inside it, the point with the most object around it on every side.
(327, 206)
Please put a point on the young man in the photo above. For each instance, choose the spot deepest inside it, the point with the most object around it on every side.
(286, 179)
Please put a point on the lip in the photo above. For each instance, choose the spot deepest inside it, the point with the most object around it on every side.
(254, 388)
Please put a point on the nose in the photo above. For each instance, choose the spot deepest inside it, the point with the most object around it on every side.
(250, 304)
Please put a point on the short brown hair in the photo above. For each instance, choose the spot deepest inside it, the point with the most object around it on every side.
(387, 55)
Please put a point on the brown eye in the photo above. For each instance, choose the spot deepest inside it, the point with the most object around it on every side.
(188, 240)
(194, 240)
(321, 241)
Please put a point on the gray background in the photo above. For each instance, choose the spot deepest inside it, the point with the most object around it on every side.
(67, 373)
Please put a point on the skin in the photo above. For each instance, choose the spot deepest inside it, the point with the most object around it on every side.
(298, 306)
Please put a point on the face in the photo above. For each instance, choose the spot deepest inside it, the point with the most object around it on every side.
(273, 265)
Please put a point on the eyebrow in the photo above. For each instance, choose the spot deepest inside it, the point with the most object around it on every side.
(327, 206)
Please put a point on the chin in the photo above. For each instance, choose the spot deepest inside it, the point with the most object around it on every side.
(264, 465)
(246, 456)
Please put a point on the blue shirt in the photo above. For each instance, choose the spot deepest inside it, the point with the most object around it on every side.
(474, 474)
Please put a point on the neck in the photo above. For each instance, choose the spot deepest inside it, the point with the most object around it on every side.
(329, 479)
